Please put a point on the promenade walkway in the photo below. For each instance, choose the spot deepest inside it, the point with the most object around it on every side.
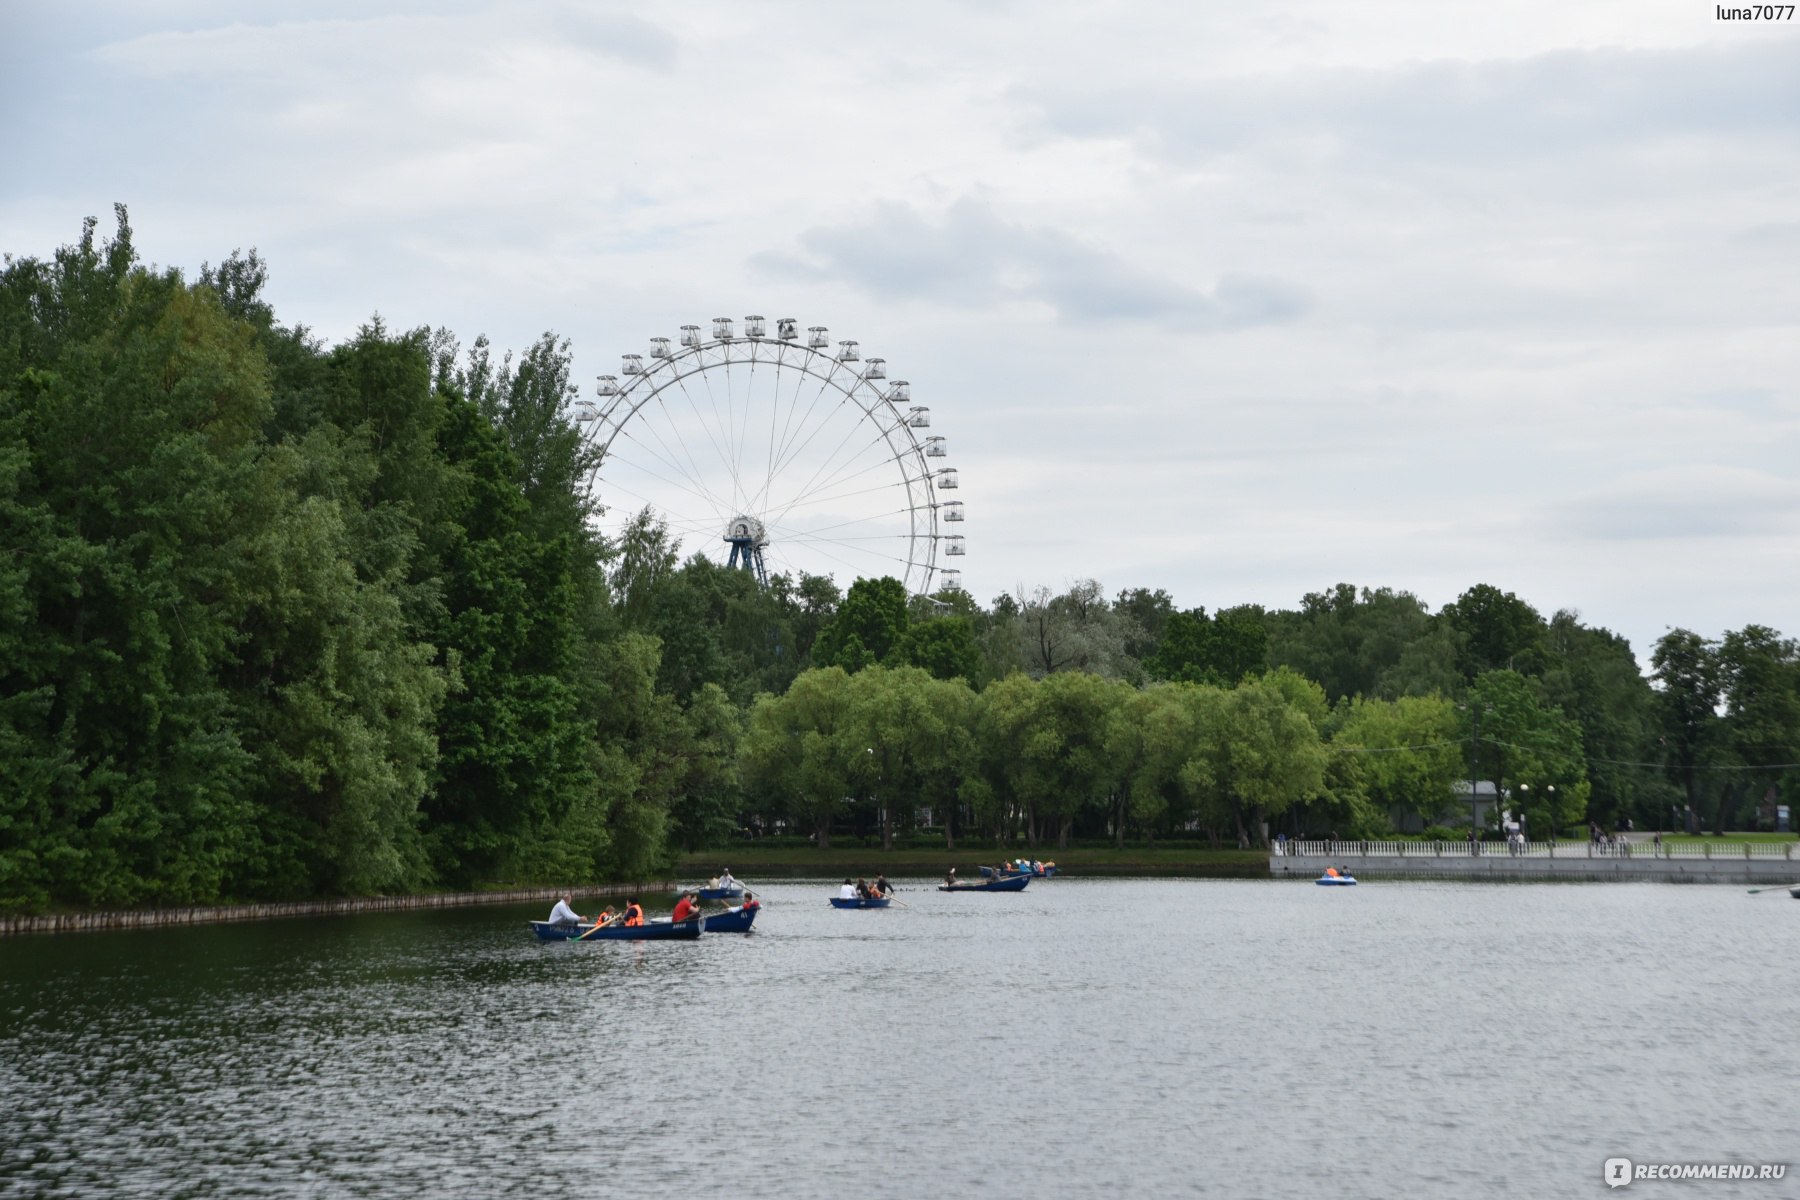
(1723, 862)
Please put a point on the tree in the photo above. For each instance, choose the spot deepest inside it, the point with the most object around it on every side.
(1760, 673)
(1220, 650)
(1150, 734)
(1149, 612)
(1379, 643)
(1525, 742)
(1075, 631)
(797, 748)
(708, 793)
(1267, 754)
(135, 484)
(1495, 630)
(1407, 753)
(513, 762)
(1592, 675)
(1690, 679)
(866, 627)
(901, 716)
(944, 646)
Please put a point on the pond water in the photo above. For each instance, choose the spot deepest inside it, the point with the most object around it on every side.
(1082, 1038)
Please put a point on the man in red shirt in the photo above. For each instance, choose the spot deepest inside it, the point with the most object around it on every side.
(685, 908)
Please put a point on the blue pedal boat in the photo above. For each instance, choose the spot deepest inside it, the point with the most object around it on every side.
(651, 931)
(999, 883)
(738, 920)
(859, 902)
(1336, 881)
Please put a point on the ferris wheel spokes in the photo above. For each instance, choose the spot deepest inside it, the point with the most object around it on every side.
(781, 444)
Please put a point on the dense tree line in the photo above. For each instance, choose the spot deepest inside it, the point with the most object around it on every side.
(284, 619)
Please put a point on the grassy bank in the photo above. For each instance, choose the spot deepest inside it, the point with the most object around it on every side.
(756, 861)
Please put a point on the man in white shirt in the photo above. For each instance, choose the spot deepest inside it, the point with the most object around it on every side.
(725, 879)
(848, 891)
(562, 914)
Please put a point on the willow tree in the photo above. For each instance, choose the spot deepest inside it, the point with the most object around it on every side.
(797, 746)
(910, 729)
(1261, 751)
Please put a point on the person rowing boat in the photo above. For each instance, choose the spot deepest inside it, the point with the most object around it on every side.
(562, 914)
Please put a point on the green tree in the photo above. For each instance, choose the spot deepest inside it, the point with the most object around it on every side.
(1408, 753)
(1377, 643)
(901, 718)
(866, 627)
(1525, 743)
(1691, 687)
(513, 744)
(1150, 734)
(798, 748)
(1495, 630)
(1218, 650)
(1760, 674)
(1593, 677)
(133, 408)
(944, 646)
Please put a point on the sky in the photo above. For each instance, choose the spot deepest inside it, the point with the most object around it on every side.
(1238, 301)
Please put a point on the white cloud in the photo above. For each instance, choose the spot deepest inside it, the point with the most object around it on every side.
(1238, 302)
(974, 259)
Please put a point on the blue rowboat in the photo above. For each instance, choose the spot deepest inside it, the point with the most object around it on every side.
(1336, 881)
(1001, 883)
(652, 931)
(859, 902)
(720, 893)
(738, 920)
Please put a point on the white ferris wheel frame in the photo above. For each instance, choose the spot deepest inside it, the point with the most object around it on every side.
(858, 380)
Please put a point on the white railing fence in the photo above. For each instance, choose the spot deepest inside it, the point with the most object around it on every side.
(1401, 849)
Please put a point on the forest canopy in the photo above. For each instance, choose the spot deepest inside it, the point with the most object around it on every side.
(281, 619)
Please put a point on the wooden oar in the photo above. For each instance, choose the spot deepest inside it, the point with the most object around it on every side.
(1781, 887)
(615, 919)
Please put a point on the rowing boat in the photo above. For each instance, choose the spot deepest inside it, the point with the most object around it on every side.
(650, 931)
(735, 920)
(859, 902)
(1003, 883)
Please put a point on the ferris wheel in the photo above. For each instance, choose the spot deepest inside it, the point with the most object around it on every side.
(777, 454)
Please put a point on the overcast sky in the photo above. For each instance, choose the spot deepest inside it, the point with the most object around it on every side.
(1237, 300)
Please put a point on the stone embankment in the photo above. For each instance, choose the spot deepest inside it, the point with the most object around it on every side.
(1636, 861)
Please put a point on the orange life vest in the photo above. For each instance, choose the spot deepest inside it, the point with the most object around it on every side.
(634, 915)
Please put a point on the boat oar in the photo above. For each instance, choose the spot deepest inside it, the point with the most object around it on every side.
(615, 919)
(1780, 887)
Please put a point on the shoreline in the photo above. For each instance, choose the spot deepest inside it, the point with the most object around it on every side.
(99, 921)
